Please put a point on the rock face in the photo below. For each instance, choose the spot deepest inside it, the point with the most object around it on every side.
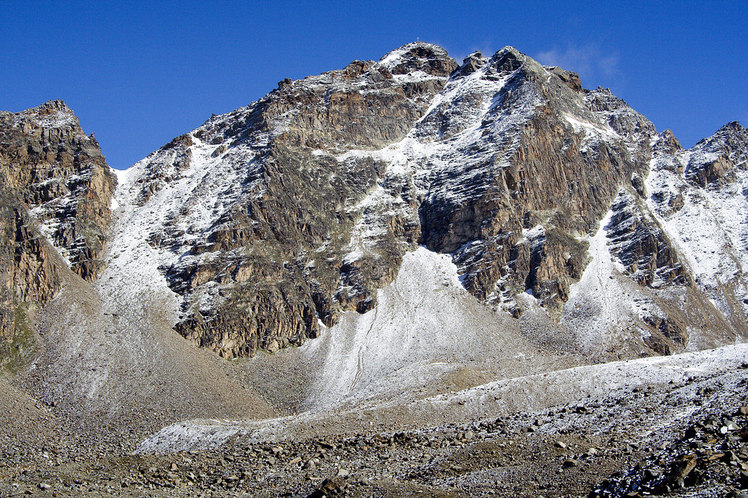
(698, 196)
(532, 170)
(319, 188)
(60, 174)
(55, 188)
(270, 220)
(276, 252)
(714, 161)
(30, 275)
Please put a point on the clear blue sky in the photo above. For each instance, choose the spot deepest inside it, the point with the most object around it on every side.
(140, 73)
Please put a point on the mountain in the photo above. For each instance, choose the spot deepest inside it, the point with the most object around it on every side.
(273, 219)
(364, 239)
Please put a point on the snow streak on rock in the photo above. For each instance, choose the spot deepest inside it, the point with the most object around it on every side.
(700, 197)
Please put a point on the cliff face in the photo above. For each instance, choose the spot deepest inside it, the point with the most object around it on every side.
(60, 174)
(530, 172)
(30, 274)
(55, 190)
(262, 217)
(270, 220)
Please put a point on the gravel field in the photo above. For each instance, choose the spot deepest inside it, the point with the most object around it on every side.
(680, 438)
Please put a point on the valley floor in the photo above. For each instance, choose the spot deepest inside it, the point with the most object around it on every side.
(684, 435)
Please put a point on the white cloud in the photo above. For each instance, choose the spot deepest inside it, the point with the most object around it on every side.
(589, 61)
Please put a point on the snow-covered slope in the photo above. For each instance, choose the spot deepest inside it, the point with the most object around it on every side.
(700, 198)
(426, 332)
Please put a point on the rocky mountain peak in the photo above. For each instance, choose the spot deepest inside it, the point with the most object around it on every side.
(50, 122)
(471, 63)
(731, 138)
(49, 107)
(714, 160)
(669, 143)
(55, 189)
(508, 59)
(60, 173)
(322, 186)
(289, 212)
(419, 56)
(53, 105)
(733, 126)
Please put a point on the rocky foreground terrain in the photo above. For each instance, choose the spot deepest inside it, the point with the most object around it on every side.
(686, 436)
(407, 276)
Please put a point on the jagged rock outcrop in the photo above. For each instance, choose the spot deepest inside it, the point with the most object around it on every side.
(570, 79)
(641, 246)
(60, 174)
(55, 187)
(713, 160)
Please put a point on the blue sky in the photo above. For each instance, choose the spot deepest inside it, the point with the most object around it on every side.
(140, 73)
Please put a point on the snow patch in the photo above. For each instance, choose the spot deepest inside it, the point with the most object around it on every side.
(424, 326)
(600, 306)
(591, 129)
